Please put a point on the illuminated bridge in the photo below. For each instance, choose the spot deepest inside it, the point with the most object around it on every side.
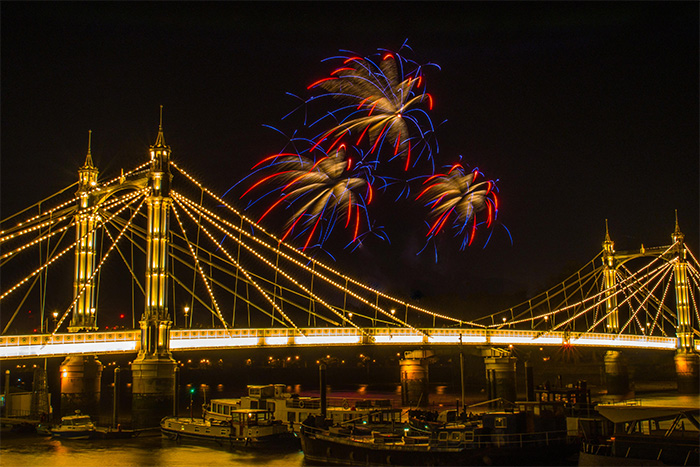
(155, 235)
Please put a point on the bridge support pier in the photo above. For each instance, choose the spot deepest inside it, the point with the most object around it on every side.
(688, 372)
(414, 378)
(81, 378)
(153, 389)
(616, 376)
(500, 377)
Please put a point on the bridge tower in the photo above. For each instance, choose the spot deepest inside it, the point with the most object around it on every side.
(81, 374)
(686, 359)
(153, 370)
(616, 376)
(83, 317)
(609, 280)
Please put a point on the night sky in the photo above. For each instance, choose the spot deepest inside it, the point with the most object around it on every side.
(582, 111)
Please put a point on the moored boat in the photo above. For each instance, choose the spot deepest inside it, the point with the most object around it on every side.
(243, 428)
(269, 416)
(642, 435)
(77, 426)
(531, 434)
(293, 409)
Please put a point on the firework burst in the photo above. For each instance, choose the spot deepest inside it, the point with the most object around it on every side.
(384, 105)
(321, 192)
(454, 198)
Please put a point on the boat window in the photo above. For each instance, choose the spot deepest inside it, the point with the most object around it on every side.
(455, 436)
(235, 417)
(468, 436)
(500, 422)
(442, 436)
(253, 404)
(291, 416)
(227, 410)
(271, 406)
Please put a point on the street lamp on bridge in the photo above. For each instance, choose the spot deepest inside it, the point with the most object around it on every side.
(187, 313)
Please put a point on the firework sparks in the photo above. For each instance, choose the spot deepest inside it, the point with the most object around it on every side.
(384, 107)
(454, 198)
(322, 193)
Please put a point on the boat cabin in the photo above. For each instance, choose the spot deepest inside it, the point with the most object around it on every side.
(76, 420)
(666, 434)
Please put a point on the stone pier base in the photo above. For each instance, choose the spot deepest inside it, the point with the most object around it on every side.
(414, 378)
(688, 372)
(500, 377)
(81, 378)
(153, 389)
(616, 375)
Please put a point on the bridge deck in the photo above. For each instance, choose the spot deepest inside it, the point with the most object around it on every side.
(46, 345)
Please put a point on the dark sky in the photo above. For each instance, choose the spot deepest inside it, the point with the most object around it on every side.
(582, 111)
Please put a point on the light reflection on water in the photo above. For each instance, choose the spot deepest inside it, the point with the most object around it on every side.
(141, 451)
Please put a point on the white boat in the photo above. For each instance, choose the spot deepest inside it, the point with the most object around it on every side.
(293, 409)
(77, 426)
(241, 427)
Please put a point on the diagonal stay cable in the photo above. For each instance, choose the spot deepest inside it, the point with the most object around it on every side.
(663, 272)
(102, 261)
(223, 286)
(7, 326)
(245, 273)
(307, 268)
(201, 272)
(277, 269)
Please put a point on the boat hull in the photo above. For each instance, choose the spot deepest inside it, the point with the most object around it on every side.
(74, 434)
(323, 448)
(224, 435)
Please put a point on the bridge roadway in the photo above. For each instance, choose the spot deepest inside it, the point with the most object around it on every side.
(128, 341)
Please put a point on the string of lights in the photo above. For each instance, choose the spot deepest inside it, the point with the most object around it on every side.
(104, 258)
(311, 270)
(660, 276)
(277, 269)
(35, 227)
(612, 291)
(617, 292)
(35, 241)
(201, 272)
(529, 305)
(49, 212)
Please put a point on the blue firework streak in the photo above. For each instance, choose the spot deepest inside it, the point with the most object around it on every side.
(321, 192)
(385, 106)
(454, 198)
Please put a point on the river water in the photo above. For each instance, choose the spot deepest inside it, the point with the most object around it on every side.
(153, 450)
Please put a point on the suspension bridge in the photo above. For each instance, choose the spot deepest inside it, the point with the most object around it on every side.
(175, 241)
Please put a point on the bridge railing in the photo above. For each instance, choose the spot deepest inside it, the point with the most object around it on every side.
(69, 343)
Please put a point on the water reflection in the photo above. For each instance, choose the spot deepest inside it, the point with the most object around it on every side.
(142, 451)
